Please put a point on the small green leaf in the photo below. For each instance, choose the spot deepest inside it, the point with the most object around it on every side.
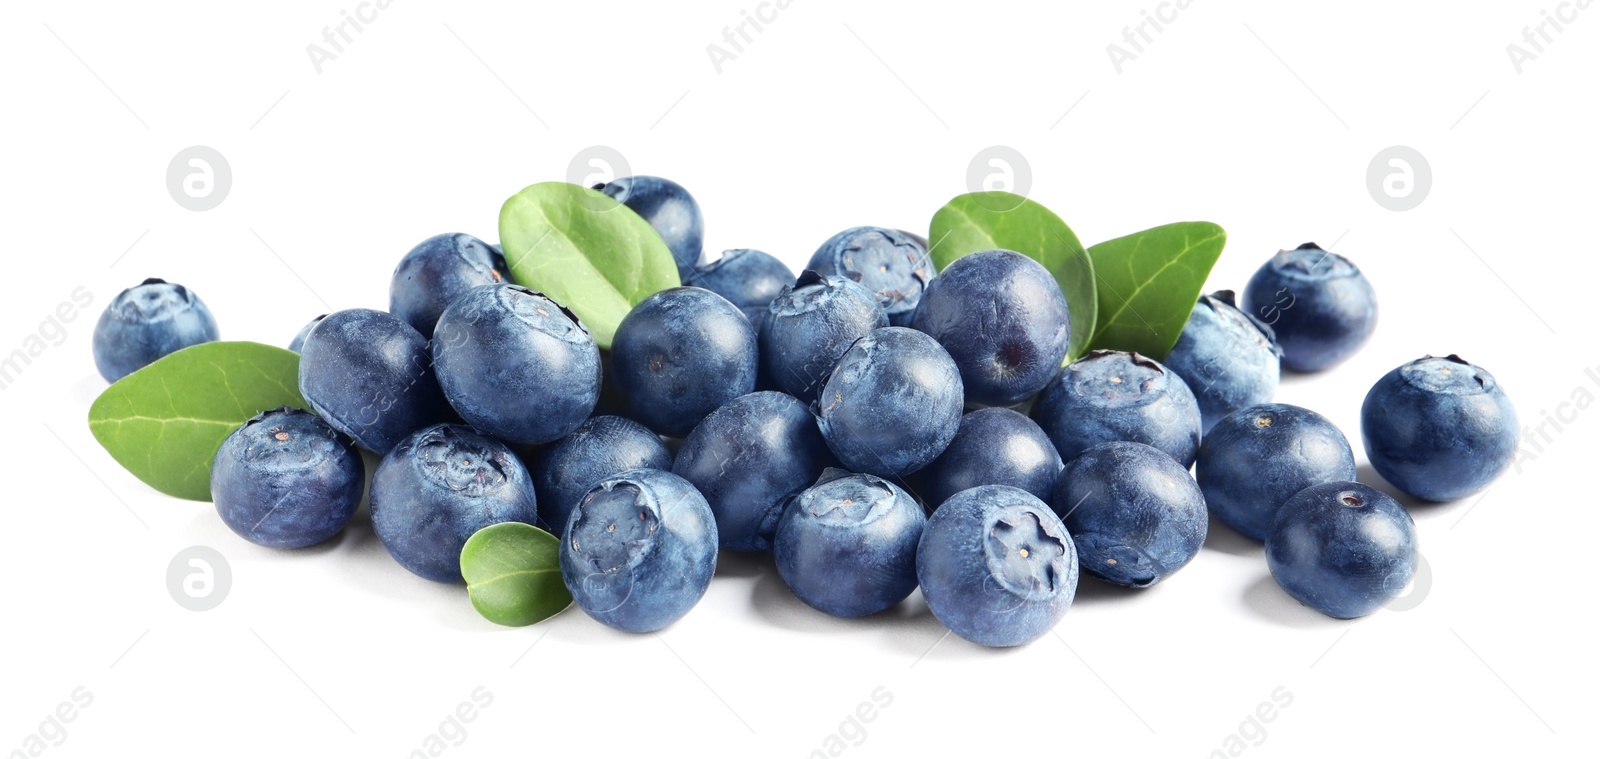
(585, 250)
(984, 220)
(1148, 284)
(513, 573)
(164, 422)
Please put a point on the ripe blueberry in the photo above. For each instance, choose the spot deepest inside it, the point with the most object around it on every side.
(847, 546)
(892, 404)
(1003, 319)
(436, 272)
(1228, 358)
(1342, 548)
(892, 264)
(1260, 456)
(680, 354)
(516, 364)
(810, 325)
(439, 486)
(1439, 428)
(670, 209)
(639, 550)
(1135, 515)
(747, 458)
(748, 278)
(300, 337)
(993, 446)
(996, 566)
(285, 479)
(1111, 395)
(370, 375)
(1319, 304)
(600, 447)
(148, 321)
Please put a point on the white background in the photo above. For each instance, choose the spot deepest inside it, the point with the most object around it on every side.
(1258, 116)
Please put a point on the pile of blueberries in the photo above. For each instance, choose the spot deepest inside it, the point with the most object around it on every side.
(876, 427)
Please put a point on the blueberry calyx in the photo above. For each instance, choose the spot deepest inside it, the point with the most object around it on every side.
(624, 540)
(1484, 379)
(1023, 553)
(567, 312)
(1266, 330)
(811, 277)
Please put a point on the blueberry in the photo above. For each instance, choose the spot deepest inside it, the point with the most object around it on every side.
(1003, 319)
(1259, 456)
(757, 316)
(639, 550)
(996, 566)
(914, 237)
(285, 479)
(148, 321)
(370, 375)
(680, 354)
(993, 446)
(516, 364)
(1342, 548)
(892, 264)
(300, 337)
(1135, 515)
(439, 270)
(670, 209)
(847, 546)
(747, 458)
(810, 325)
(1319, 304)
(439, 486)
(1439, 428)
(612, 401)
(747, 278)
(1112, 395)
(1229, 358)
(892, 404)
(600, 447)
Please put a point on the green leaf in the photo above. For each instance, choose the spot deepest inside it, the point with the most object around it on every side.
(1149, 282)
(984, 220)
(513, 573)
(585, 250)
(164, 422)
